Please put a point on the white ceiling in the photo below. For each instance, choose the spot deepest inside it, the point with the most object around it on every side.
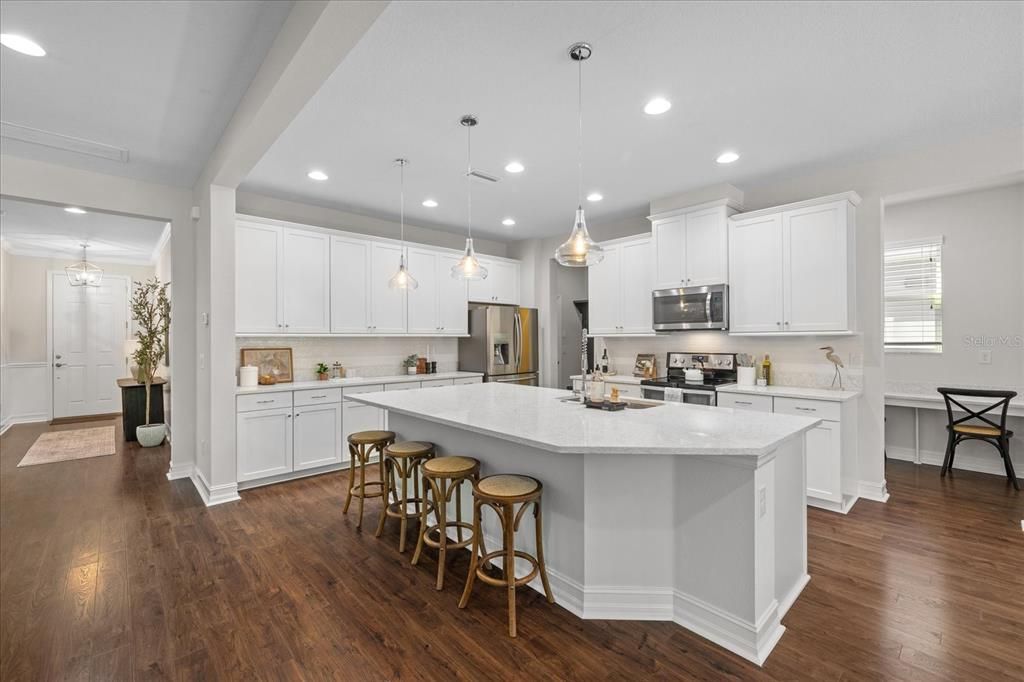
(49, 231)
(160, 79)
(788, 85)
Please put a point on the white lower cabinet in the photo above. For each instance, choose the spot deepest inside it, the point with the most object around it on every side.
(316, 436)
(358, 417)
(831, 446)
(264, 443)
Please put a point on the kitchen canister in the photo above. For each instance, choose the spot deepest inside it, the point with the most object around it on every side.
(248, 376)
(745, 376)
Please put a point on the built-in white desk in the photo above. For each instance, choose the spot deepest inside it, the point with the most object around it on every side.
(934, 401)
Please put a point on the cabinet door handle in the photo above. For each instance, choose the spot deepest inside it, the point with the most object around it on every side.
(807, 409)
(264, 402)
(317, 397)
(744, 402)
(289, 416)
(778, 324)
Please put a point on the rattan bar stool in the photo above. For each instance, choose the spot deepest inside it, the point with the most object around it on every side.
(502, 493)
(402, 462)
(442, 479)
(361, 446)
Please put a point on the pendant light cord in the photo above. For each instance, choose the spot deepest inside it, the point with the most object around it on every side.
(579, 141)
(469, 181)
(401, 200)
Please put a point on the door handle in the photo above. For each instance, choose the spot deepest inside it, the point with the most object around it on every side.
(58, 364)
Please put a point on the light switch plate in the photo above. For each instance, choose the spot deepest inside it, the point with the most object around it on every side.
(984, 357)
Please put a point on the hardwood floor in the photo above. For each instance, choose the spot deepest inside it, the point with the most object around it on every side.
(110, 572)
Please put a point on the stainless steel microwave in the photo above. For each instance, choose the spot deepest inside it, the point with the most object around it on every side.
(691, 308)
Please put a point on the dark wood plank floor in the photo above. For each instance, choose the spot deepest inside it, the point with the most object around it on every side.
(110, 572)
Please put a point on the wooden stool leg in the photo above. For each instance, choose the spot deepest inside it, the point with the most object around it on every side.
(471, 575)
(388, 483)
(540, 552)
(442, 521)
(352, 459)
(458, 509)
(509, 565)
(403, 472)
(424, 522)
(362, 486)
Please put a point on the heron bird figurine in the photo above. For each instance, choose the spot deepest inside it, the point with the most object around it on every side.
(830, 355)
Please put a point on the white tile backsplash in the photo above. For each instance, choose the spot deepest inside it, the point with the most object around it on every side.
(362, 357)
(796, 361)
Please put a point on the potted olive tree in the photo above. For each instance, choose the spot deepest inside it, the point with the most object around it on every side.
(151, 310)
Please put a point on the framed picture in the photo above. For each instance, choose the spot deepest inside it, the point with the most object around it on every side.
(644, 361)
(275, 361)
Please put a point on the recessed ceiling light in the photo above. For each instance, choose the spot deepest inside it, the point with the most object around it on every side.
(595, 196)
(657, 106)
(430, 203)
(316, 175)
(22, 44)
(75, 210)
(515, 167)
(508, 222)
(727, 157)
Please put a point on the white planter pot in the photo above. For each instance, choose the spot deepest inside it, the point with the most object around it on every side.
(410, 370)
(150, 436)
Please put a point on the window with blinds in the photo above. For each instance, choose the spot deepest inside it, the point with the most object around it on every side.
(913, 295)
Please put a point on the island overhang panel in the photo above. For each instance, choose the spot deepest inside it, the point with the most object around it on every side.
(690, 525)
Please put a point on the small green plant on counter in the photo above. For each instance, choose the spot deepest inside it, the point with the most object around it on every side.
(322, 370)
(410, 361)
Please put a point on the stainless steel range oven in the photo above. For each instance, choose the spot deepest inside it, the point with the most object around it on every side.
(691, 308)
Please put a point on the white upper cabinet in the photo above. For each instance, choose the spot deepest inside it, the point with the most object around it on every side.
(791, 267)
(814, 260)
(452, 298)
(438, 305)
(691, 248)
(755, 263)
(313, 281)
(350, 285)
(501, 285)
(257, 271)
(387, 305)
(305, 282)
(619, 289)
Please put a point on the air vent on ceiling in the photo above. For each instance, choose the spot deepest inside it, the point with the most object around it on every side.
(13, 131)
(480, 175)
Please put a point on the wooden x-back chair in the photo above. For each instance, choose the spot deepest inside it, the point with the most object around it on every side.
(975, 425)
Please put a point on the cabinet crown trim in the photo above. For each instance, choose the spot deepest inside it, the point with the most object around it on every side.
(676, 212)
(852, 197)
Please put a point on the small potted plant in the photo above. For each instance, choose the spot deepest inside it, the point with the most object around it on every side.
(410, 363)
(151, 310)
(323, 372)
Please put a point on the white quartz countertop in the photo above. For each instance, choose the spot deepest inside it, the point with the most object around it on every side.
(349, 382)
(792, 392)
(613, 378)
(537, 418)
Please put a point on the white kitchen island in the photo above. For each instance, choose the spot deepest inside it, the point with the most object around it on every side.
(678, 512)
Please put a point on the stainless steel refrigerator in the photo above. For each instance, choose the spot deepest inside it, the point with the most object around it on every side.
(502, 344)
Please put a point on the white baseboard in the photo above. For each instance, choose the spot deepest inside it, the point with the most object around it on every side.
(843, 507)
(30, 418)
(752, 641)
(874, 491)
(179, 470)
(968, 461)
(213, 495)
(790, 598)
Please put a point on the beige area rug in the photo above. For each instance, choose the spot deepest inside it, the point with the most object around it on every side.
(61, 446)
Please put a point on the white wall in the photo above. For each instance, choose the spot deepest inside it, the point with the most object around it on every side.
(982, 308)
(319, 216)
(162, 270)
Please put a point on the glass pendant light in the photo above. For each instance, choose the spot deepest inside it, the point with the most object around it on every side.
(579, 250)
(83, 273)
(468, 266)
(402, 279)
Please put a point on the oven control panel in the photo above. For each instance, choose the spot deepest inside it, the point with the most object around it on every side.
(716, 361)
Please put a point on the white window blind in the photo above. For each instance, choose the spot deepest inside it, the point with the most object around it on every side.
(913, 294)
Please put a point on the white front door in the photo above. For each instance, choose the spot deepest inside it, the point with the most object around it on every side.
(89, 332)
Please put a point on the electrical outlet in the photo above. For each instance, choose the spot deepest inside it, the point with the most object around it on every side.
(762, 502)
(985, 357)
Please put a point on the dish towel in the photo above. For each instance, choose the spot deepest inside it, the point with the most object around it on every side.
(673, 395)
